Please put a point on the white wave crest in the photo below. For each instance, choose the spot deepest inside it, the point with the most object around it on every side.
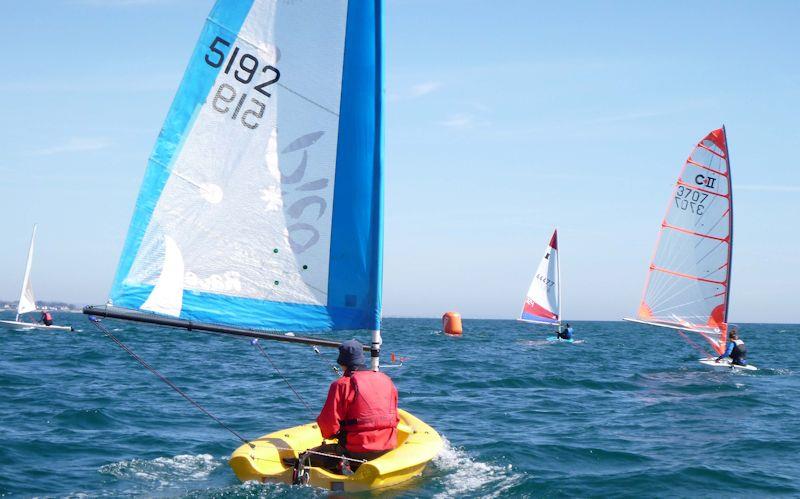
(461, 475)
(163, 470)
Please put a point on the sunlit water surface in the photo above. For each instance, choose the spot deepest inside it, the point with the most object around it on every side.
(628, 412)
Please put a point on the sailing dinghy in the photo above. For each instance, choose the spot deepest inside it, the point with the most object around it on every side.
(27, 302)
(543, 303)
(688, 283)
(261, 210)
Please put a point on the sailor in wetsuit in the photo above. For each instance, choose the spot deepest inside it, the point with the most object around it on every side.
(736, 349)
(566, 332)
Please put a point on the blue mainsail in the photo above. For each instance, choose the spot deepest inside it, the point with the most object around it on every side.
(261, 206)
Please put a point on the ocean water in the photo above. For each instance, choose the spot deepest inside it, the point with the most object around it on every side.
(628, 412)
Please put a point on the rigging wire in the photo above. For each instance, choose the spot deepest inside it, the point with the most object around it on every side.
(129, 351)
(333, 367)
(101, 327)
(266, 356)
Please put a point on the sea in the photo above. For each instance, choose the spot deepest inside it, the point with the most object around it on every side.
(626, 412)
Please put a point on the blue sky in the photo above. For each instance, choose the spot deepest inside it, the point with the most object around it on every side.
(504, 119)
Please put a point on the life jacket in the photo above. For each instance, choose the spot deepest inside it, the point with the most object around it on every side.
(373, 407)
(739, 352)
(47, 318)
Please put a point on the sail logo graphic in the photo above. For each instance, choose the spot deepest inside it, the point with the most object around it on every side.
(705, 181)
(313, 194)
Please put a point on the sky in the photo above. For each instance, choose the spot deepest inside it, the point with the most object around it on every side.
(504, 120)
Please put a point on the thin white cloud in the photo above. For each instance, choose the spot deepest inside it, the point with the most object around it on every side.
(460, 120)
(768, 188)
(414, 91)
(75, 144)
(463, 121)
(425, 88)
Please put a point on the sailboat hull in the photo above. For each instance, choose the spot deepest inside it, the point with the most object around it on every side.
(726, 363)
(30, 325)
(418, 443)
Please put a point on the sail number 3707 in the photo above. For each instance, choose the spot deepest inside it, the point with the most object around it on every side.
(691, 200)
(243, 67)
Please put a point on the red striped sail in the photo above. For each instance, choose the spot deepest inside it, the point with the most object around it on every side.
(688, 282)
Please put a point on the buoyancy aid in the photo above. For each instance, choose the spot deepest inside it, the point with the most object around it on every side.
(47, 319)
(374, 406)
(739, 352)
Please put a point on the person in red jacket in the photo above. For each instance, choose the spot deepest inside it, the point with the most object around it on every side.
(46, 319)
(360, 411)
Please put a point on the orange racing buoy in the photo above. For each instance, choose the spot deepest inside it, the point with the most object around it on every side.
(451, 323)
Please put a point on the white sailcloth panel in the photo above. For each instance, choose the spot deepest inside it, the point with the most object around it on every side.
(688, 279)
(542, 299)
(246, 211)
(27, 302)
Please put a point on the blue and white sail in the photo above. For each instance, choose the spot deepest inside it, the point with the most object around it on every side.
(261, 206)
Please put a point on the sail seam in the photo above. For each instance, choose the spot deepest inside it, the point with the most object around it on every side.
(687, 276)
(308, 100)
(681, 182)
(695, 163)
(692, 233)
(715, 153)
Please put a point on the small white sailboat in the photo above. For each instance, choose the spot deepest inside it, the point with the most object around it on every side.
(27, 302)
(688, 282)
(543, 304)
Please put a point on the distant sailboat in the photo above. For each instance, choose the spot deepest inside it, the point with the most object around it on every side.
(261, 211)
(27, 302)
(688, 282)
(543, 303)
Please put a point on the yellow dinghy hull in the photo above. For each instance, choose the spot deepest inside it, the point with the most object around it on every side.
(417, 442)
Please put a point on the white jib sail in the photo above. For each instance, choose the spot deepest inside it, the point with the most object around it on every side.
(27, 302)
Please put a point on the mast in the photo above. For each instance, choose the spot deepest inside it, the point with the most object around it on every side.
(375, 347)
(27, 276)
(730, 228)
(558, 283)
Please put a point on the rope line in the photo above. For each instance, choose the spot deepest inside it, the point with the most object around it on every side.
(96, 322)
(345, 458)
(266, 356)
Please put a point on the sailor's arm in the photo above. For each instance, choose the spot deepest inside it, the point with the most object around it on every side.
(728, 351)
(332, 412)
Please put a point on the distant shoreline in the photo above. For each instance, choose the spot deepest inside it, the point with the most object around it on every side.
(55, 306)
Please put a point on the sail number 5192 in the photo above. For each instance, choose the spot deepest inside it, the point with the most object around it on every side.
(247, 66)
(244, 68)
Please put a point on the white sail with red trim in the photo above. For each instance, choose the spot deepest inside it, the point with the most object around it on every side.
(543, 300)
(689, 278)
